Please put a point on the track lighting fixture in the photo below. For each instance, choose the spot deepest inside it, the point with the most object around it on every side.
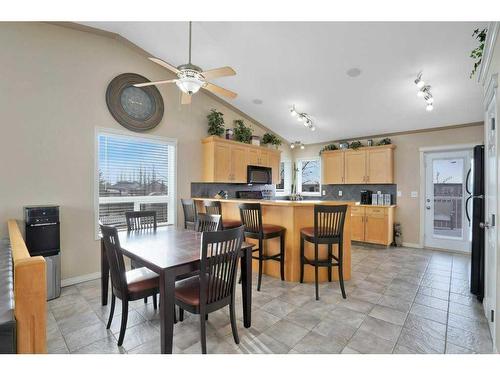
(424, 92)
(419, 81)
(297, 144)
(302, 117)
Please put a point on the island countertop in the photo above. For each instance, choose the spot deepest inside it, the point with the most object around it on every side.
(293, 216)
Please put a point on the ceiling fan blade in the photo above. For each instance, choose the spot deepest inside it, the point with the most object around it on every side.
(219, 72)
(185, 98)
(164, 64)
(219, 90)
(154, 83)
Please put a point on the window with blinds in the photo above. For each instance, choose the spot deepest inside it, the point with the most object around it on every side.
(135, 173)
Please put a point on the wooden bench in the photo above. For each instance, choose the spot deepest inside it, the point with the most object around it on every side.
(30, 295)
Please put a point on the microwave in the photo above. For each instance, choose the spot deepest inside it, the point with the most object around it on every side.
(259, 175)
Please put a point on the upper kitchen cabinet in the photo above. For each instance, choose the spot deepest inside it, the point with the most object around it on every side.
(367, 165)
(227, 161)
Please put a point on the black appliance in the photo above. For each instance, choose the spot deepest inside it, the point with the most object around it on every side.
(366, 197)
(474, 186)
(259, 175)
(43, 238)
(249, 194)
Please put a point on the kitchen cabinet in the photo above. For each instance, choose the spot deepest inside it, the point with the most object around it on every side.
(333, 167)
(372, 224)
(367, 165)
(227, 161)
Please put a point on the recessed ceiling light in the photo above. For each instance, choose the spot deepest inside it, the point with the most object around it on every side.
(257, 101)
(353, 72)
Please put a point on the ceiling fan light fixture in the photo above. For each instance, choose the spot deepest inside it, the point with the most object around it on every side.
(190, 81)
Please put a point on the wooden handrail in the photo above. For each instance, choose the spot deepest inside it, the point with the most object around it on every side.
(30, 295)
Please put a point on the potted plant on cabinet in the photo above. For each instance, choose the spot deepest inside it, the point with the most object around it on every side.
(216, 123)
(242, 133)
(271, 140)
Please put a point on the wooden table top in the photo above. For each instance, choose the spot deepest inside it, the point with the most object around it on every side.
(164, 247)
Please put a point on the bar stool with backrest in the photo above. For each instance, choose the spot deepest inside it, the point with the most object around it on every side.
(189, 209)
(126, 285)
(328, 229)
(251, 217)
(140, 220)
(215, 208)
(214, 287)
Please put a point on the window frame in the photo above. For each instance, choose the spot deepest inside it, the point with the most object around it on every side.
(131, 135)
(287, 184)
(299, 162)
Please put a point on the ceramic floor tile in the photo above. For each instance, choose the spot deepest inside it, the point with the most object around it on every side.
(469, 340)
(421, 344)
(433, 302)
(381, 328)
(286, 332)
(389, 315)
(314, 343)
(85, 336)
(439, 316)
(368, 343)
(279, 308)
(347, 316)
(422, 327)
(303, 318)
(107, 345)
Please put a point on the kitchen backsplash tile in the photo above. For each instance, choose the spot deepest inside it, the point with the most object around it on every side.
(209, 189)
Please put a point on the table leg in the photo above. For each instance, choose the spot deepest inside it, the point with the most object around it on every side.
(246, 286)
(167, 305)
(104, 275)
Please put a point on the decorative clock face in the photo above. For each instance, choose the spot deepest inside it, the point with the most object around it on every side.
(136, 108)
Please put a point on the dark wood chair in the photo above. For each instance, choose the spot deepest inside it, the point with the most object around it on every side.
(208, 223)
(189, 209)
(126, 285)
(215, 208)
(251, 217)
(328, 229)
(140, 220)
(214, 287)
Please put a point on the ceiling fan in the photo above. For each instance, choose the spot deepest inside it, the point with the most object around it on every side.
(190, 78)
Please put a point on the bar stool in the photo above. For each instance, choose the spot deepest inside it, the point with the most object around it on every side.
(328, 229)
(251, 217)
(215, 208)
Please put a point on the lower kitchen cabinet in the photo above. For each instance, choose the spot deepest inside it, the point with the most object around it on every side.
(372, 224)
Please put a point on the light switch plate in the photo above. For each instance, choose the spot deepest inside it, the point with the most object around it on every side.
(414, 194)
(340, 193)
(399, 193)
(324, 192)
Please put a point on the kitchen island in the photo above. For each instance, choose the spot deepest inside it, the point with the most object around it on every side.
(293, 215)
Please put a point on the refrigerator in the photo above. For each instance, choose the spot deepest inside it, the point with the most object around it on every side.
(474, 209)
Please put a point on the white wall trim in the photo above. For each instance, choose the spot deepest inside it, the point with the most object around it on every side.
(489, 47)
(490, 91)
(459, 146)
(412, 245)
(80, 279)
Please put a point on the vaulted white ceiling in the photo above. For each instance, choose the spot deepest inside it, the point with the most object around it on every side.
(305, 64)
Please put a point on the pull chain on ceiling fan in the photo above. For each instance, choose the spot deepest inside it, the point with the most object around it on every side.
(190, 78)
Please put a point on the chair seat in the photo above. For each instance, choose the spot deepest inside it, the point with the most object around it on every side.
(188, 290)
(271, 228)
(308, 231)
(141, 279)
(230, 224)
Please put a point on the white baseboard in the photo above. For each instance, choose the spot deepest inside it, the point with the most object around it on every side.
(80, 279)
(413, 245)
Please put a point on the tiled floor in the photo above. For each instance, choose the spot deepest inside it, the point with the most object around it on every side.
(399, 301)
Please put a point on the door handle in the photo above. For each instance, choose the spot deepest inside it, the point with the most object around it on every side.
(428, 207)
(484, 225)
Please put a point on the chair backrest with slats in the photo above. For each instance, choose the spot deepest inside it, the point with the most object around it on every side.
(115, 258)
(329, 221)
(213, 207)
(189, 209)
(219, 264)
(251, 217)
(140, 220)
(208, 223)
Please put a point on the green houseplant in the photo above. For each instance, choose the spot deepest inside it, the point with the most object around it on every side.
(477, 53)
(215, 123)
(242, 133)
(271, 139)
(355, 145)
(330, 147)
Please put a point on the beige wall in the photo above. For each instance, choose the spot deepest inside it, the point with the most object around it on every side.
(54, 81)
(407, 166)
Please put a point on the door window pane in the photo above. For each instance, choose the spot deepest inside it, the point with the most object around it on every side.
(310, 176)
(448, 181)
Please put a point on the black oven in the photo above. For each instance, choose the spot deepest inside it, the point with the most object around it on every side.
(259, 175)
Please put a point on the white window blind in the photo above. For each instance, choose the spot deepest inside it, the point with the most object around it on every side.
(135, 174)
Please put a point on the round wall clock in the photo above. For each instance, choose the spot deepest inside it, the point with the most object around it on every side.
(136, 108)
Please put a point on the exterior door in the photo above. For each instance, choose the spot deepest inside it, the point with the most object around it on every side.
(490, 217)
(355, 167)
(445, 221)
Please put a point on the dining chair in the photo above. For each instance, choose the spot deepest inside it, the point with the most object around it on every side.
(251, 217)
(126, 285)
(207, 223)
(189, 209)
(214, 287)
(328, 229)
(215, 208)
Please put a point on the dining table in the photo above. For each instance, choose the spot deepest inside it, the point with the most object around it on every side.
(172, 252)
